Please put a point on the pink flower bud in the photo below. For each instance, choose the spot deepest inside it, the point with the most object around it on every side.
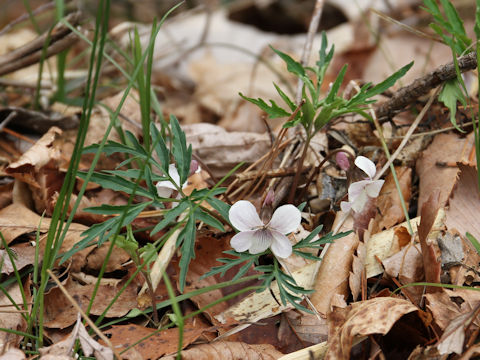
(342, 160)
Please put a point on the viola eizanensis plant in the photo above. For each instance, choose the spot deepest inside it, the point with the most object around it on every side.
(154, 173)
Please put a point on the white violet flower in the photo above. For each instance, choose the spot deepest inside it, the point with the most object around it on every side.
(359, 192)
(255, 236)
(165, 187)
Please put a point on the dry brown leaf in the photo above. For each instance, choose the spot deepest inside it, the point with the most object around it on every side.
(464, 203)
(208, 249)
(65, 347)
(16, 220)
(221, 150)
(389, 205)
(11, 318)
(155, 346)
(427, 236)
(23, 255)
(363, 318)
(307, 327)
(335, 268)
(60, 313)
(226, 350)
(449, 304)
(445, 148)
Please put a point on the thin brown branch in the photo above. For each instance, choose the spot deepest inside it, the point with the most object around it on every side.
(421, 86)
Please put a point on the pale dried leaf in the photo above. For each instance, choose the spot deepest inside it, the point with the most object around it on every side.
(226, 350)
(259, 306)
(445, 148)
(11, 318)
(383, 245)
(454, 336)
(464, 203)
(221, 150)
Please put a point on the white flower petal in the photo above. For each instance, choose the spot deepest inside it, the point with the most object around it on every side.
(285, 219)
(374, 188)
(242, 241)
(173, 172)
(261, 241)
(359, 203)
(281, 246)
(165, 188)
(356, 189)
(366, 165)
(243, 216)
(345, 206)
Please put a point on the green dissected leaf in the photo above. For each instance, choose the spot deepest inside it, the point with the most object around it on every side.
(129, 246)
(102, 230)
(208, 219)
(160, 147)
(112, 147)
(324, 59)
(387, 83)
(450, 94)
(107, 209)
(181, 153)
(273, 110)
(292, 66)
(116, 183)
(132, 174)
(453, 19)
(306, 242)
(187, 238)
(336, 85)
(248, 259)
(220, 206)
(170, 216)
(288, 101)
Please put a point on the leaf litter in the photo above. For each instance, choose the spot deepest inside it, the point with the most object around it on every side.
(361, 303)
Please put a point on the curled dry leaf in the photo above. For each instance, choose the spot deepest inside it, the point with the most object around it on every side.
(363, 318)
(335, 268)
(427, 235)
(226, 350)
